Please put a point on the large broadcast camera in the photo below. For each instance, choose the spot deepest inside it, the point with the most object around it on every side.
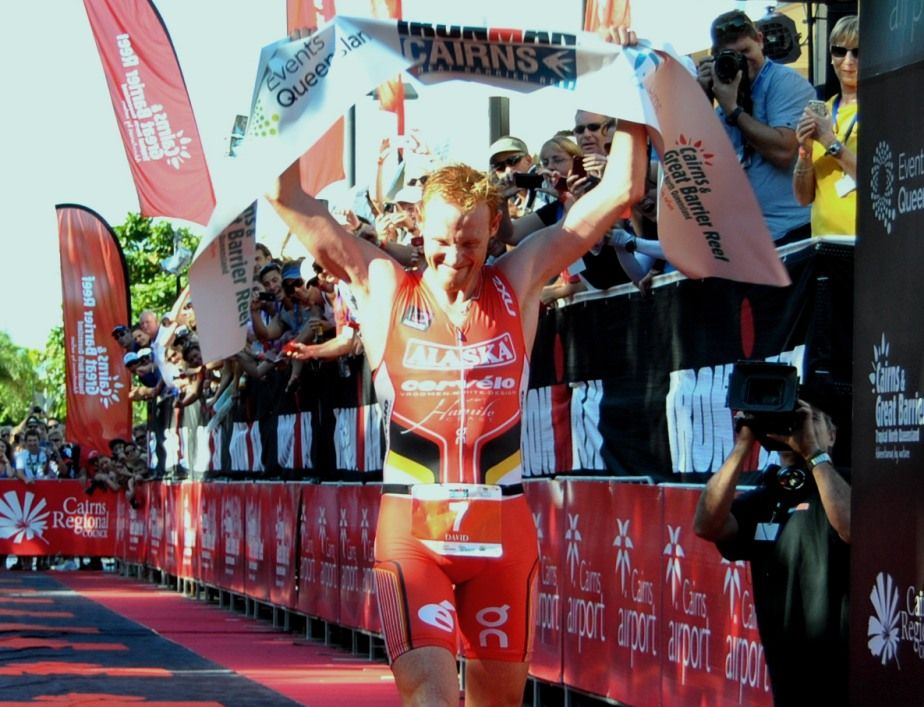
(767, 394)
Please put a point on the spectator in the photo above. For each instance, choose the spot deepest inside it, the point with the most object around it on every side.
(398, 222)
(160, 334)
(507, 157)
(760, 106)
(187, 317)
(794, 529)
(142, 365)
(142, 340)
(31, 461)
(261, 257)
(123, 336)
(99, 474)
(826, 172)
(7, 471)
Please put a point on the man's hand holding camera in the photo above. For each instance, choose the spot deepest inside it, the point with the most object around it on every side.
(809, 435)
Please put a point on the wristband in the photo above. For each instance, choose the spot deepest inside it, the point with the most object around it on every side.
(818, 457)
(732, 118)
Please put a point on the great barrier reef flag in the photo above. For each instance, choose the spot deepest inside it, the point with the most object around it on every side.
(712, 226)
(152, 109)
(222, 273)
(96, 300)
(322, 163)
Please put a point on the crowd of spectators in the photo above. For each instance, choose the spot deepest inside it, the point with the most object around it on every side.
(38, 449)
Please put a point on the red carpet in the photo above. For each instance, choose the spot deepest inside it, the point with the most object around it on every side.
(305, 672)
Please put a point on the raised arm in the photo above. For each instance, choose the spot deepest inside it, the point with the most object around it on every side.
(713, 519)
(371, 273)
(548, 251)
(331, 245)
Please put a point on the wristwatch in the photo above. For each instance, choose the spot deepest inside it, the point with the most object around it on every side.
(817, 458)
(835, 148)
(732, 118)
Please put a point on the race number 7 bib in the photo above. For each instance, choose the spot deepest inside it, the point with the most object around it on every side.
(458, 519)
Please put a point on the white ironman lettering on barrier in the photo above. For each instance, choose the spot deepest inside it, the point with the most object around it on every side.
(700, 428)
(586, 438)
(538, 433)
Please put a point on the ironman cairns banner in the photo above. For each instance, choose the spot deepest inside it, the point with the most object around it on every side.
(95, 294)
(304, 86)
(152, 109)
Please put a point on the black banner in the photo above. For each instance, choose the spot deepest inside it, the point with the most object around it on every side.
(645, 378)
(887, 514)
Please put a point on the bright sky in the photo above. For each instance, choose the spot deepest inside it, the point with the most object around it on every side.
(64, 147)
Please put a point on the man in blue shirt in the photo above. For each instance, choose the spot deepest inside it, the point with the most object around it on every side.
(760, 121)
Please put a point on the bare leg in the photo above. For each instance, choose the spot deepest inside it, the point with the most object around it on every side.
(427, 677)
(494, 683)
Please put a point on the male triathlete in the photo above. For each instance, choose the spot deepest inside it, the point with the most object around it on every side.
(456, 546)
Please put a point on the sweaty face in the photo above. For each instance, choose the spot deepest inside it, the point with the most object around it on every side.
(455, 241)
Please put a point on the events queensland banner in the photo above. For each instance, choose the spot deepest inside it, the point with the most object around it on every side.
(304, 86)
(152, 109)
(95, 298)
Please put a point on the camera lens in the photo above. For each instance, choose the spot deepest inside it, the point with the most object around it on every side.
(727, 65)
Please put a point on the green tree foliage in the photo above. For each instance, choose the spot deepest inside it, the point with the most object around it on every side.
(145, 244)
(51, 372)
(19, 380)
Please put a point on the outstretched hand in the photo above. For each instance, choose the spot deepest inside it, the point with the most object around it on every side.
(619, 35)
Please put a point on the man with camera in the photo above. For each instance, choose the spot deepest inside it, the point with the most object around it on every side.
(760, 104)
(794, 529)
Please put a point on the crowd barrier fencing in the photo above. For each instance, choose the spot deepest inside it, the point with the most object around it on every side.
(620, 384)
(631, 605)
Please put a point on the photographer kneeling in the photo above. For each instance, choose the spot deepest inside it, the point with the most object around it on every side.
(794, 529)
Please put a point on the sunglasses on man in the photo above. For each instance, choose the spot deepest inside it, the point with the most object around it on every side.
(592, 127)
(290, 285)
(839, 52)
(502, 164)
(734, 26)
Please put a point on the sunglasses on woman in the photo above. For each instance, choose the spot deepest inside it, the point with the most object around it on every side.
(839, 52)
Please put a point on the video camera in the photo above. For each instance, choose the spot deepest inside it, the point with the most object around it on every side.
(767, 394)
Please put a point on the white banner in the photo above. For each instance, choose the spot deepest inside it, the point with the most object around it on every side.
(220, 282)
(302, 87)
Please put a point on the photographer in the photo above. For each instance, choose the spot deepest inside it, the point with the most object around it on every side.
(794, 529)
(764, 132)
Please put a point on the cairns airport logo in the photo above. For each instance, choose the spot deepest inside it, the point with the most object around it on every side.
(896, 184)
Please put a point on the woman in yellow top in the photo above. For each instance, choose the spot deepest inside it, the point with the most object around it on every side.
(826, 171)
